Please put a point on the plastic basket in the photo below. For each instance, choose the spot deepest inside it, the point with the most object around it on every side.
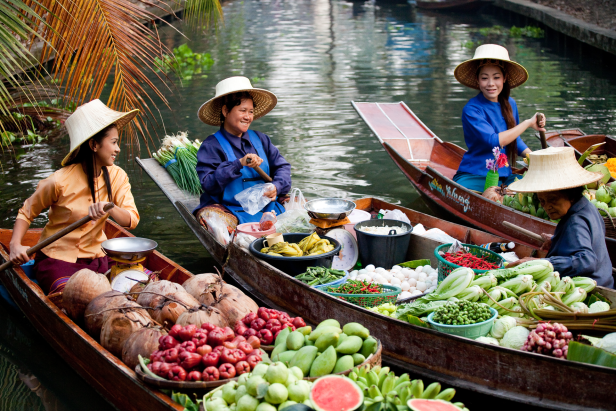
(333, 283)
(370, 300)
(469, 331)
(445, 267)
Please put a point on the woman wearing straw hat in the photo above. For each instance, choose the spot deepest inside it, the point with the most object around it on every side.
(227, 158)
(578, 245)
(85, 184)
(490, 119)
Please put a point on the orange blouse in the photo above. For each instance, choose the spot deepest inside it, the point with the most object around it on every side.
(67, 194)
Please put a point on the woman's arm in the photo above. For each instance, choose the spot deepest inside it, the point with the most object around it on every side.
(506, 137)
(121, 216)
(18, 252)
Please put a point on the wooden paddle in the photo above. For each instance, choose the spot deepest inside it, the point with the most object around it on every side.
(544, 142)
(56, 236)
(262, 173)
(523, 231)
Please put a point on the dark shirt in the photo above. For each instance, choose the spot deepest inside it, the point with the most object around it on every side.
(578, 245)
(215, 172)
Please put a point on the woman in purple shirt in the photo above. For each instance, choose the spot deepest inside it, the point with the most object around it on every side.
(491, 118)
(222, 161)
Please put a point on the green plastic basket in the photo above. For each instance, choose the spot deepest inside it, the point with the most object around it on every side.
(370, 300)
(469, 331)
(445, 267)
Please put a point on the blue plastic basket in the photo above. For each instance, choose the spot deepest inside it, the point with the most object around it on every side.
(334, 283)
(471, 331)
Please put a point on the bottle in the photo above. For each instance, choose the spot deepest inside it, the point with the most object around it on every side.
(498, 247)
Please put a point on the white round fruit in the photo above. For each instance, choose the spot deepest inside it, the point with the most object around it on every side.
(405, 286)
(412, 282)
(396, 282)
(370, 267)
(419, 269)
(421, 286)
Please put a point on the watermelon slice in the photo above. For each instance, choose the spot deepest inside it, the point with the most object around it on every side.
(418, 404)
(336, 393)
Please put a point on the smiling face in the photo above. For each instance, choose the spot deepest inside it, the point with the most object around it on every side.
(491, 80)
(108, 149)
(555, 203)
(239, 118)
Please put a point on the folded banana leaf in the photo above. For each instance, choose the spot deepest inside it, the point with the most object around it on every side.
(590, 355)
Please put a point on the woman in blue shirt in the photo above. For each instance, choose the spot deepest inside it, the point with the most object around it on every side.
(491, 118)
(222, 160)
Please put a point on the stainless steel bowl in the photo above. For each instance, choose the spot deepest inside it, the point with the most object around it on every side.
(128, 248)
(329, 208)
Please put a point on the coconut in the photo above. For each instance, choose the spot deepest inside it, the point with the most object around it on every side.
(199, 315)
(234, 304)
(153, 291)
(83, 287)
(95, 311)
(119, 325)
(494, 194)
(167, 309)
(200, 286)
(142, 342)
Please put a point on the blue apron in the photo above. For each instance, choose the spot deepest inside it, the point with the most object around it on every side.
(248, 179)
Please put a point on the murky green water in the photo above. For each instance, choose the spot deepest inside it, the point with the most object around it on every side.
(317, 56)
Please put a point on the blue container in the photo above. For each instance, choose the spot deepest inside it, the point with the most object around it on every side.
(471, 331)
(333, 283)
(4, 293)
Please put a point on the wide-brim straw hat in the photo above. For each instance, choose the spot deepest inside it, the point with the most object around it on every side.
(466, 72)
(88, 120)
(263, 100)
(553, 169)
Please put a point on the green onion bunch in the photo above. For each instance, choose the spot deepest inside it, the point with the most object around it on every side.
(462, 313)
(182, 169)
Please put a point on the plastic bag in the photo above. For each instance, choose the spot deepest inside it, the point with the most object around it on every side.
(267, 220)
(243, 240)
(395, 215)
(296, 200)
(252, 199)
(218, 228)
(438, 235)
(456, 247)
(294, 221)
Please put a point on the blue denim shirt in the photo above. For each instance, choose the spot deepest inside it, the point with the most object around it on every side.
(578, 245)
(482, 120)
(215, 172)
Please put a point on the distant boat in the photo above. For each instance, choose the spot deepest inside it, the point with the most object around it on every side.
(460, 5)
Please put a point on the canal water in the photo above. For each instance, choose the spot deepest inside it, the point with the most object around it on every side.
(316, 56)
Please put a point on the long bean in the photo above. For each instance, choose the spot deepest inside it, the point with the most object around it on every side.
(320, 275)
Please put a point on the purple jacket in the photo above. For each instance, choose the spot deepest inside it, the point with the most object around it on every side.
(215, 172)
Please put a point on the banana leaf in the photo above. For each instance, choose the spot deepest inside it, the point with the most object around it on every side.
(415, 263)
(590, 355)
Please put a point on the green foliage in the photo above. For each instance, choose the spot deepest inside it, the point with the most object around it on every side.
(186, 62)
(499, 35)
(528, 31)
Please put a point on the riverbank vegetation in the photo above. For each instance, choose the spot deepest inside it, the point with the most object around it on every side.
(499, 35)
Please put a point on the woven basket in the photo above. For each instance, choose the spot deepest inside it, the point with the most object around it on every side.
(610, 228)
(445, 267)
(370, 300)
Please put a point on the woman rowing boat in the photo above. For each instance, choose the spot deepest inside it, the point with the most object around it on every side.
(578, 245)
(86, 183)
(227, 159)
(490, 119)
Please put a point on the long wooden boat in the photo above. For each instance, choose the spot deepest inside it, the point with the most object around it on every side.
(523, 377)
(430, 164)
(102, 370)
(576, 139)
(453, 5)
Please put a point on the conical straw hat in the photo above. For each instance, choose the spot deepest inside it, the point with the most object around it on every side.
(466, 72)
(263, 100)
(88, 120)
(553, 169)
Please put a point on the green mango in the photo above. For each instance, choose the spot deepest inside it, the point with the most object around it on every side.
(325, 340)
(279, 349)
(356, 329)
(343, 337)
(295, 340)
(285, 357)
(323, 330)
(344, 363)
(305, 330)
(368, 347)
(307, 341)
(329, 323)
(351, 345)
(324, 363)
(358, 358)
(282, 336)
(303, 358)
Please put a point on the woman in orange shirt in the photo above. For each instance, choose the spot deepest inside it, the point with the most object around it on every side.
(86, 183)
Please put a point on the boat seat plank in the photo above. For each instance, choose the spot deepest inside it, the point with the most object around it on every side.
(379, 123)
(406, 121)
(162, 178)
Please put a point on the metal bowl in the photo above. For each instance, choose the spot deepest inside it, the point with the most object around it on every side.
(128, 248)
(329, 208)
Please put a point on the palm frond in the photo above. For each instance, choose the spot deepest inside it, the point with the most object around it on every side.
(200, 13)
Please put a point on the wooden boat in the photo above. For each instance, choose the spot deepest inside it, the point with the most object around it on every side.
(430, 164)
(103, 371)
(454, 5)
(523, 377)
(580, 142)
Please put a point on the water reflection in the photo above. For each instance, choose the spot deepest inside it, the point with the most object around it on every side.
(319, 55)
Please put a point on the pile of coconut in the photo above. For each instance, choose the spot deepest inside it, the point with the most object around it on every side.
(128, 325)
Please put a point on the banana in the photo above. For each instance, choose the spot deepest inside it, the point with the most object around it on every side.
(388, 383)
(353, 375)
(417, 388)
(363, 371)
(401, 380)
(446, 395)
(374, 392)
(398, 388)
(383, 370)
(432, 391)
(372, 378)
(376, 369)
(405, 395)
(363, 381)
(382, 375)
(378, 398)
(361, 385)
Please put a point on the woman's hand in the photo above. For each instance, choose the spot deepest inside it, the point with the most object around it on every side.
(18, 254)
(96, 212)
(272, 193)
(537, 125)
(255, 160)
